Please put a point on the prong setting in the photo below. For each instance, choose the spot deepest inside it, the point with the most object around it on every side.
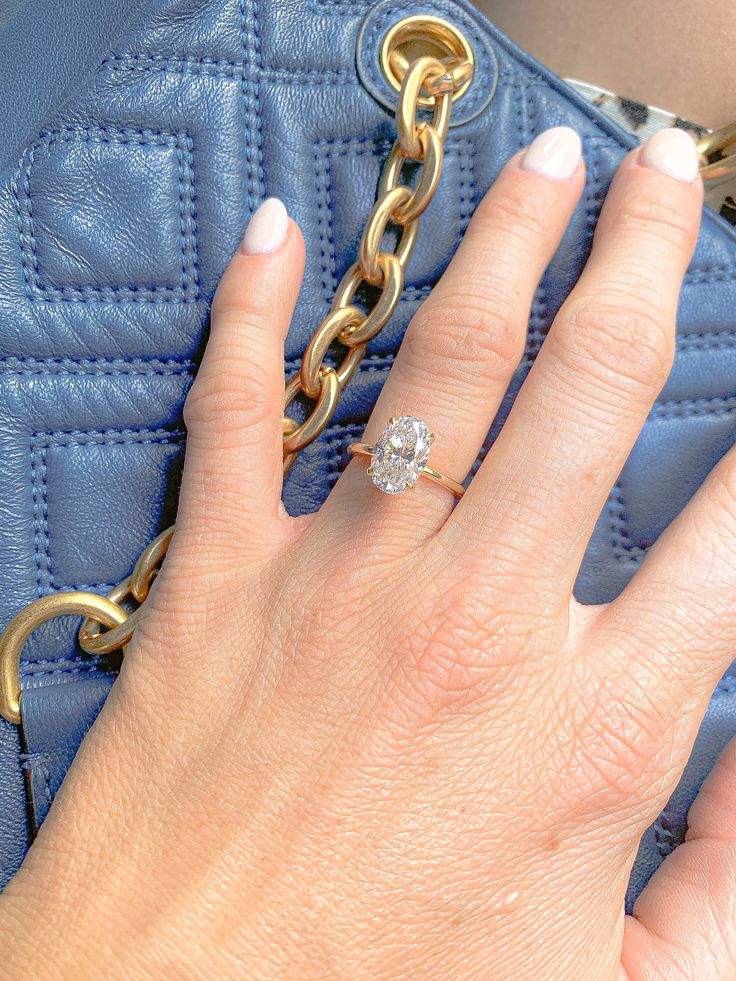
(400, 453)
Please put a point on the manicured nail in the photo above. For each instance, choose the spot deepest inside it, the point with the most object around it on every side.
(671, 151)
(267, 228)
(555, 154)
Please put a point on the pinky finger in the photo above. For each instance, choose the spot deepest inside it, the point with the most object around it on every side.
(684, 922)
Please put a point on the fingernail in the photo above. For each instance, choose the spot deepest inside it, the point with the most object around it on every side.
(673, 152)
(266, 229)
(554, 154)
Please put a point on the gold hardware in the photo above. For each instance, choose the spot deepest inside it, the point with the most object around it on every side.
(135, 587)
(366, 449)
(420, 35)
(717, 152)
(418, 140)
(375, 229)
(393, 283)
(147, 565)
(29, 619)
(442, 70)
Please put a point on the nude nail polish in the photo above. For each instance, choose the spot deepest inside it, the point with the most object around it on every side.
(671, 151)
(267, 228)
(554, 154)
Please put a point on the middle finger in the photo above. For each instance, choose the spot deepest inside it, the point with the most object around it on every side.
(465, 342)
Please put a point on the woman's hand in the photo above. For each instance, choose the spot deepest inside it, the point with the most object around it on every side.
(384, 741)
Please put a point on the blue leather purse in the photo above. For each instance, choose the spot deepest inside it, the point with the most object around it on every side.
(130, 162)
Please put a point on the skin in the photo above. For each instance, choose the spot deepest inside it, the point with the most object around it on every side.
(384, 741)
(670, 53)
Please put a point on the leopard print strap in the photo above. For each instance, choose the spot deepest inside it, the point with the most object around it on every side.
(642, 121)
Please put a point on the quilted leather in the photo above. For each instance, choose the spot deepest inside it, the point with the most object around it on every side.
(116, 221)
(45, 49)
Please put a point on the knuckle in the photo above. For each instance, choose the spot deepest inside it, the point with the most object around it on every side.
(462, 337)
(521, 212)
(455, 658)
(624, 338)
(660, 219)
(242, 309)
(227, 395)
(623, 760)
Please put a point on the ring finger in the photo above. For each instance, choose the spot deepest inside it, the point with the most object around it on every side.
(465, 342)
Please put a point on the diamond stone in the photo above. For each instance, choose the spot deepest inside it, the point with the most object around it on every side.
(399, 455)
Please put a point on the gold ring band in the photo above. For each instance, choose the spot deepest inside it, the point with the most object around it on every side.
(365, 449)
(401, 455)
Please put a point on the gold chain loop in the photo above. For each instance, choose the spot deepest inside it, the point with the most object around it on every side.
(429, 175)
(428, 81)
(375, 229)
(407, 122)
(320, 414)
(135, 587)
(376, 320)
(338, 322)
(29, 619)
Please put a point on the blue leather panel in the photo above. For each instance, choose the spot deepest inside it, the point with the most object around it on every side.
(116, 221)
(13, 813)
(46, 48)
(53, 737)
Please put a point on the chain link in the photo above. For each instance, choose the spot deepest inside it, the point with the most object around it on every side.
(111, 621)
(419, 141)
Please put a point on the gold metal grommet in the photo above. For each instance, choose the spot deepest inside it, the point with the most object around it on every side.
(422, 35)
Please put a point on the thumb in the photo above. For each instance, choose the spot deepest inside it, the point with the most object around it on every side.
(684, 922)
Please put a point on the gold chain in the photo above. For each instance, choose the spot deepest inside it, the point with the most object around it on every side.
(419, 142)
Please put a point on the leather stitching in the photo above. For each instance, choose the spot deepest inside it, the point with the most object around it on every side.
(95, 366)
(719, 405)
(227, 68)
(337, 8)
(40, 517)
(35, 668)
(94, 669)
(336, 447)
(81, 437)
(40, 442)
(36, 289)
(251, 96)
(35, 762)
(325, 150)
(624, 549)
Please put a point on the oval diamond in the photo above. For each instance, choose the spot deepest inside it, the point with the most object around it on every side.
(400, 453)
